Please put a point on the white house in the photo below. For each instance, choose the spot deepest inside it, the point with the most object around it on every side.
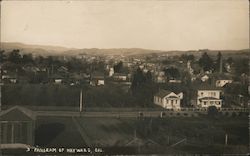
(209, 97)
(97, 79)
(111, 72)
(168, 99)
(120, 76)
(204, 78)
(222, 82)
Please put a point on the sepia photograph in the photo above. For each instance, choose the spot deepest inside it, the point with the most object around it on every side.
(124, 77)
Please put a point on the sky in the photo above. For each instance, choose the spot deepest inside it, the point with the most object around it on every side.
(149, 24)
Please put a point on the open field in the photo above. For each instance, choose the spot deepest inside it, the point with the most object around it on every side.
(107, 131)
(157, 135)
(57, 132)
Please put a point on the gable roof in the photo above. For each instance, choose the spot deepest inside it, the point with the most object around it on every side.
(17, 113)
(208, 87)
(162, 93)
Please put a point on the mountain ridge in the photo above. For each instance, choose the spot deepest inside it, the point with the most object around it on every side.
(60, 50)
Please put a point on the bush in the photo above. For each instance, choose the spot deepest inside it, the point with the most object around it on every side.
(234, 114)
(212, 111)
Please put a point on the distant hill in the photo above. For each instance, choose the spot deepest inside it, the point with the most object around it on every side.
(34, 49)
(115, 51)
(58, 50)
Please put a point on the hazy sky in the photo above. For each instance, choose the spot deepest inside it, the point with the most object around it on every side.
(163, 25)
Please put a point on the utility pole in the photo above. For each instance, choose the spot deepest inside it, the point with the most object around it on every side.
(81, 101)
(1, 96)
(226, 139)
(1, 84)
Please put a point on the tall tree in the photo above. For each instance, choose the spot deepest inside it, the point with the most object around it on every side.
(138, 80)
(118, 67)
(206, 62)
(218, 63)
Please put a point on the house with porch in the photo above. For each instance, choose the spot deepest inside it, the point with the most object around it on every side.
(168, 99)
(209, 96)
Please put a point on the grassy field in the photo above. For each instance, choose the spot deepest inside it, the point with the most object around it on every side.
(107, 131)
(156, 135)
(57, 132)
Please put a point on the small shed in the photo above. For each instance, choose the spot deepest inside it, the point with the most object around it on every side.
(17, 126)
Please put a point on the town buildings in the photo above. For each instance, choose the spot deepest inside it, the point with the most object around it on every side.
(168, 99)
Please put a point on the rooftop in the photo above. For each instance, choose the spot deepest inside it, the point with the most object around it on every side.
(17, 113)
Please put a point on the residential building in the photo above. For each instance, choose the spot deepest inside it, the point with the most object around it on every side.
(222, 79)
(97, 79)
(120, 76)
(209, 96)
(204, 78)
(168, 99)
(111, 72)
(222, 82)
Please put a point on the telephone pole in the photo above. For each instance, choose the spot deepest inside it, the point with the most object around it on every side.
(81, 102)
(226, 139)
(1, 84)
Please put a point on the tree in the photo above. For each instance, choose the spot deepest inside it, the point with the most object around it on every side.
(118, 67)
(206, 62)
(27, 58)
(148, 77)
(138, 80)
(172, 72)
(143, 87)
(229, 60)
(15, 56)
(241, 66)
(187, 57)
(218, 61)
(212, 111)
(2, 56)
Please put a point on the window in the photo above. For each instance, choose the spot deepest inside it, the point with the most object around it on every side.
(214, 93)
(205, 103)
(201, 93)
